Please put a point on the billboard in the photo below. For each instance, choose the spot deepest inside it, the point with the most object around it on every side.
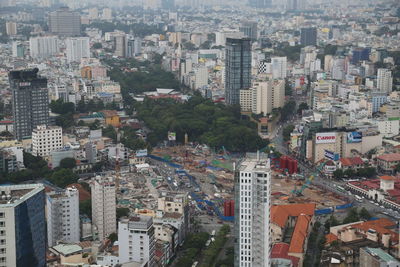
(331, 155)
(141, 153)
(171, 136)
(354, 137)
(325, 138)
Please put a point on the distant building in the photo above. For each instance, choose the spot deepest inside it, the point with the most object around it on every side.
(65, 22)
(30, 101)
(136, 240)
(104, 206)
(252, 212)
(249, 29)
(77, 48)
(18, 49)
(360, 54)
(23, 225)
(120, 45)
(43, 47)
(279, 67)
(63, 216)
(308, 36)
(11, 28)
(385, 80)
(260, 3)
(237, 68)
(46, 139)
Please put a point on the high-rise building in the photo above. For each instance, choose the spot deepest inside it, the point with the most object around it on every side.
(22, 225)
(107, 14)
(249, 29)
(18, 49)
(237, 68)
(308, 36)
(360, 54)
(30, 101)
(104, 206)
(65, 22)
(279, 67)
(385, 80)
(11, 28)
(46, 139)
(136, 240)
(77, 48)
(134, 47)
(252, 212)
(120, 45)
(201, 77)
(260, 3)
(263, 97)
(42, 47)
(63, 216)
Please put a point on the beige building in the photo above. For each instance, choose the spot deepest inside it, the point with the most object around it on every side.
(263, 97)
(11, 28)
(46, 139)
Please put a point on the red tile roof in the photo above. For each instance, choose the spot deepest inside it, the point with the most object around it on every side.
(281, 213)
(299, 234)
(381, 226)
(330, 238)
(351, 161)
(280, 251)
(387, 178)
(390, 157)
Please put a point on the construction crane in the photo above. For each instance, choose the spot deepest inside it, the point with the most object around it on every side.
(299, 192)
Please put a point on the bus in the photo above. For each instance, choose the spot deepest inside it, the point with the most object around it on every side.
(340, 189)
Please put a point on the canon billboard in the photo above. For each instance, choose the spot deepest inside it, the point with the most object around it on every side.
(325, 138)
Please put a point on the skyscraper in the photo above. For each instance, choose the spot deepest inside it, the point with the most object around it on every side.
(22, 225)
(308, 36)
(120, 45)
(77, 48)
(252, 212)
(63, 216)
(11, 28)
(385, 80)
(237, 68)
(30, 101)
(65, 22)
(279, 67)
(136, 240)
(42, 47)
(103, 206)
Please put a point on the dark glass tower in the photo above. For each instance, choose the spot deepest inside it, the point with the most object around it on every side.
(30, 101)
(237, 68)
(308, 36)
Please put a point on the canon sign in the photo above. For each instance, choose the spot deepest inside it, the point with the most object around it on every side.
(325, 138)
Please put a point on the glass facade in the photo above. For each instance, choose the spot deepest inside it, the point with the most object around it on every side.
(237, 68)
(30, 232)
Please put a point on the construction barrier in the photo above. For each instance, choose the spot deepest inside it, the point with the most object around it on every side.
(323, 211)
(344, 206)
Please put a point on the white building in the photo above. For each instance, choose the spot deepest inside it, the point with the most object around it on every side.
(22, 225)
(252, 212)
(262, 97)
(201, 77)
(104, 206)
(42, 47)
(46, 139)
(388, 128)
(77, 48)
(279, 67)
(63, 216)
(11, 28)
(136, 240)
(385, 80)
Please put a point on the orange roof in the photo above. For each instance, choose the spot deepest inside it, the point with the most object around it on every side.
(387, 178)
(281, 213)
(351, 161)
(390, 157)
(330, 238)
(109, 113)
(299, 234)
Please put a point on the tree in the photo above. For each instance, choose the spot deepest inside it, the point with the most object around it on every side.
(63, 177)
(85, 207)
(113, 237)
(338, 174)
(287, 131)
(287, 110)
(68, 163)
(302, 106)
(110, 132)
(352, 216)
(122, 212)
(288, 88)
(97, 46)
(397, 168)
(364, 214)
(349, 173)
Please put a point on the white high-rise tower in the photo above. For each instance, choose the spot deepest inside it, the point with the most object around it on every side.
(252, 212)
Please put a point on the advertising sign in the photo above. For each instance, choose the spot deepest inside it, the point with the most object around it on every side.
(354, 137)
(141, 153)
(325, 138)
(331, 155)
(171, 136)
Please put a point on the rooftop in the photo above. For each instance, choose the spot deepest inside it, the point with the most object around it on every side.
(390, 157)
(382, 255)
(351, 161)
(13, 195)
(67, 249)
